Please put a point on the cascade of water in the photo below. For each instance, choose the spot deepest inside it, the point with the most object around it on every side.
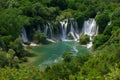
(74, 30)
(68, 30)
(24, 35)
(90, 28)
(45, 29)
(97, 31)
(67, 34)
(63, 33)
(109, 23)
(48, 30)
(51, 30)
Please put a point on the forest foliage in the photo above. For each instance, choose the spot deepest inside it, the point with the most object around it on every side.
(102, 64)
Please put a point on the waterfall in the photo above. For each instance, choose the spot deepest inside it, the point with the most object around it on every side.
(24, 35)
(63, 25)
(48, 30)
(74, 30)
(90, 28)
(68, 30)
(109, 23)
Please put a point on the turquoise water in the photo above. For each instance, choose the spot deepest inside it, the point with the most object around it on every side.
(49, 54)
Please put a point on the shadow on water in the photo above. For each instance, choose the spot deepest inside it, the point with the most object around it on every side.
(31, 55)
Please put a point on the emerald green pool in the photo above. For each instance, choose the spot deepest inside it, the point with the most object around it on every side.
(49, 54)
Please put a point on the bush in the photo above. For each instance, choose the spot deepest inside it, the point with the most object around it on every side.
(8, 59)
(99, 40)
(23, 73)
(80, 17)
(84, 39)
(39, 37)
(17, 47)
(67, 56)
(102, 20)
(116, 14)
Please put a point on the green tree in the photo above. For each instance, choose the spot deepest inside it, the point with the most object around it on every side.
(102, 20)
(39, 9)
(11, 25)
(116, 14)
(8, 58)
(99, 40)
(12, 3)
(3, 59)
(3, 4)
(67, 56)
(62, 4)
(84, 39)
(17, 47)
(39, 37)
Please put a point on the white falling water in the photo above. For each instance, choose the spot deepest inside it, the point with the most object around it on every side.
(109, 23)
(24, 35)
(74, 30)
(63, 34)
(66, 34)
(90, 28)
(48, 30)
(51, 30)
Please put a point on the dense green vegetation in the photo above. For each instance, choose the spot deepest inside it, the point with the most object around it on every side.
(84, 39)
(102, 64)
(39, 37)
(24, 73)
(98, 66)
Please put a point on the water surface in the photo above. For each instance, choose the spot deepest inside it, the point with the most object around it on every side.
(49, 54)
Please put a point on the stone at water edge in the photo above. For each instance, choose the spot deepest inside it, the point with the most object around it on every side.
(33, 44)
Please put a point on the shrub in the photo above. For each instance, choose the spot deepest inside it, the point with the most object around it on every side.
(67, 56)
(39, 37)
(23, 73)
(8, 58)
(84, 39)
(102, 20)
(99, 40)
